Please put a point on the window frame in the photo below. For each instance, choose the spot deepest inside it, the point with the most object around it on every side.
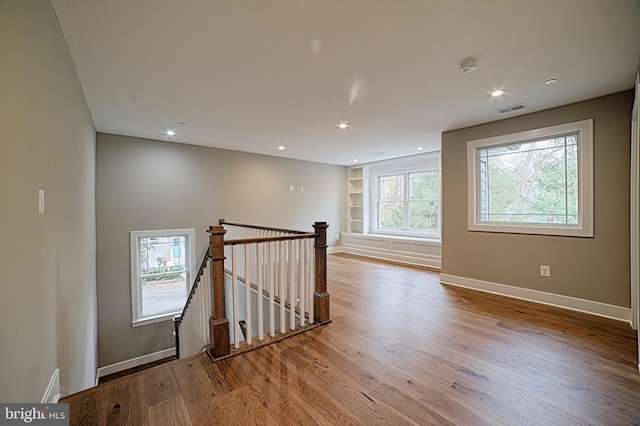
(427, 162)
(136, 289)
(584, 227)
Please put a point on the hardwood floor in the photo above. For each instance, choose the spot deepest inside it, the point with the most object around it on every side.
(402, 349)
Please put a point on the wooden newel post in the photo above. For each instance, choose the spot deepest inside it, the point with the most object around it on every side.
(218, 322)
(320, 295)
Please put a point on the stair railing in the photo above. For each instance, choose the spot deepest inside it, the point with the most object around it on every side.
(271, 281)
(277, 281)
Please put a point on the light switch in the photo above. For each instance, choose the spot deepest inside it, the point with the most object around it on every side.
(41, 202)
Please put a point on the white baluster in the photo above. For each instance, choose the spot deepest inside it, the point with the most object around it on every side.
(272, 317)
(206, 303)
(292, 285)
(234, 291)
(259, 248)
(282, 292)
(247, 293)
(301, 274)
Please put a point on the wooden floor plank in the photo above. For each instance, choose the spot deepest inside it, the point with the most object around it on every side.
(85, 410)
(402, 349)
(293, 412)
(160, 385)
(284, 373)
(342, 391)
(240, 407)
(123, 402)
(171, 412)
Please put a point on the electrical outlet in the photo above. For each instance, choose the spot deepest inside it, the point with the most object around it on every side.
(545, 271)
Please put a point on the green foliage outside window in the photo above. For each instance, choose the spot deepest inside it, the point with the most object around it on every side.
(163, 273)
(532, 182)
(414, 195)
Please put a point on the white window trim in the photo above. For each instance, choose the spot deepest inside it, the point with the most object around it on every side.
(412, 164)
(584, 227)
(136, 290)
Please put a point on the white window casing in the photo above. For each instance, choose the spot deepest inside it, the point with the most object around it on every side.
(138, 317)
(584, 226)
(428, 162)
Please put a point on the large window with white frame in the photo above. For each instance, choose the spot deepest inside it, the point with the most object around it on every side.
(161, 271)
(405, 197)
(534, 182)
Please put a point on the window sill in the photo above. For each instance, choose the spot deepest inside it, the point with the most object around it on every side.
(542, 229)
(154, 320)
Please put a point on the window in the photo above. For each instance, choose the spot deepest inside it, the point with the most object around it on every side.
(161, 271)
(406, 197)
(536, 182)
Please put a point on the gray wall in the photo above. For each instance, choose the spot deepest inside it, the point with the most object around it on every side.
(595, 269)
(143, 184)
(47, 261)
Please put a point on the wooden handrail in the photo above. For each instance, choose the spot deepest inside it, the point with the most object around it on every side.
(177, 319)
(264, 228)
(268, 239)
(203, 264)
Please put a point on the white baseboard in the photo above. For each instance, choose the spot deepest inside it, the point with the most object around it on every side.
(52, 394)
(580, 305)
(134, 362)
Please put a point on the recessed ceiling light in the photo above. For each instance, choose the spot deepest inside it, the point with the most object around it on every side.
(343, 125)
(420, 148)
(281, 147)
(355, 160)
(551, 81)
(170, 133)
(498, 92)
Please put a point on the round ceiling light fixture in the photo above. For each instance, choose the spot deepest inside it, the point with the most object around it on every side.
(551, 81)
(468, 65)
(497, 92)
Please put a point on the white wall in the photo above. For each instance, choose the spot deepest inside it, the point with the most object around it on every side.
(48, 309)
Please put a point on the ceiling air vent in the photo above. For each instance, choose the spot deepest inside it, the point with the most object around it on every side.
(511, 108)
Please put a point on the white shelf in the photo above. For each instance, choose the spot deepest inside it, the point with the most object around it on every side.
(355, 199)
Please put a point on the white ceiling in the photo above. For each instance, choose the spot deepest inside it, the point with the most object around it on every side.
(249, 75)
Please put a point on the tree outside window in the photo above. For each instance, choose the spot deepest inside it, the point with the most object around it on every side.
(538, 181)
(409, 201)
